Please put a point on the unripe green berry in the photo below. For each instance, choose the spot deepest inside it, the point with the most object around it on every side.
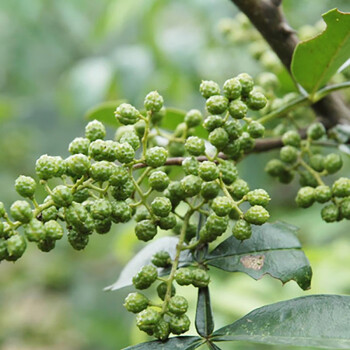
(34, 231)
(228, 172)
(216, 104)
(132, 139)
(232, 88)
(209, 190)
(145, 277)
(62, 196)
(153, 102)
(49, 214)
(125, 153)
(103, 226)
(212, 122)
(190, 166)
(53, 230)
(246, 142)
(79, 145)
(317, 162)
(162, 290)
(209, 88)
(275, 167)
(256, 130)
(180, 130)
(95, 130)
(216, 225)
(237, 109)
(233, 150)
(200, 278)
(242, 230)
(2, 210)
(127, 114)
(330, 213)
(191, 185)
(323, 194)
(145, 230)
(121, 193)
(289, 154)
(81, 195)
(233, 128)
(316, 131)
(101, 171)
(183, 276)
(256, 100)
(77, 240)
(179, 324)
(345, 208)
(218, 138)
(195, 146)
(239, 189)
(307, 179)
(162, 330)
(176, 149)
(221, 206)
(97, 150)
(120, 211)
(256, 215)
(208, 171)
(247, 83)
(47, 167)
(193, 118)
(3, 249)
(136, 302)
(78, 165)
(291, 138)
(161, 259)
(25, 186)
(46, 245)
(78, 216)
(140, 128)
(258, 197)
(119, 176)
(341, 187)
(156, 156)
(167, 222)
(101, 209)
(333, 163)
(147, 320)
(16, 246)
(178, 305)
(161, 206)
(175, 191)
(21, 211)
(159, 181)
(305, 197)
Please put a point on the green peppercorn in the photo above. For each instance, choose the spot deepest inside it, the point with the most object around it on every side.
(125, 153)
(145, 277)
(162, 330)
(195, 146)
(209, 88)
(145, 230)
(47, 167)
(79, 145)
(258, 197)
(242, 230)
(127, 114)
(142, 214)
(136, 302)
(101, 171)
(78, 216)
(218, 138)
(168, 222)
(161, 259)
(95, 130)
(120, 211)
(183, 276)
(317, 162)
(256, 215)
(239, 189)
(103, 226)
(162, 290)
(53, 230)
(191, 185)
(147, 320)
(330, 213)
(345, 208)
(49, 214)
(78, 165)
(208, 171)
(323, 194)
(34, 231)
(289, 154)
(221, 205)
(176, 149)
(77, 240)
(316, 131)
(101, 209)
(237, 109)
(159, 181)
(119, 176)
(161, 206)
(333, 163)
(216, 225)
(305, 197)
(178, 305)
(246, 82)
(307, 179)
(140, 128)
(25, 186)
(256, 100)
(209, 190)
(291, 138)
(179, 324)
(121, 193)
(246, 143)
(275, 167)
(216, 104)
(341, 187)
(16, 246)
(21, 211)
(212, 122)
(153, 102)
(156, 156)
(256, 130)
(193, 118)
(233, 128)
(232, 88)
(200, 278)
(62, 196)
(81, 195)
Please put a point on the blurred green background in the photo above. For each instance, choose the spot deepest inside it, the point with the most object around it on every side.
(60, 58)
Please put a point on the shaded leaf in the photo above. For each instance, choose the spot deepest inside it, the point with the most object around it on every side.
(316, 320)
(316, 60)
(144, 256)
(204, 315)
(173, 117)
(272, 249)
(183, 343)
(104, 112)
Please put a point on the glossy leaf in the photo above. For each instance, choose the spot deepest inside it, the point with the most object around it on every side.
(104, 112)
(204, 315)
(144, 256)
(183, 343)
(273, 249)
(316, 60)
(316, 320)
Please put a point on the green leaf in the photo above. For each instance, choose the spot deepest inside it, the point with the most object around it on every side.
(183, 343)
(273, 249)
(144, 256)
(104, 112)
(212, 346)
(316, 320)
(204, 315)
(316, 60)
(173, 117)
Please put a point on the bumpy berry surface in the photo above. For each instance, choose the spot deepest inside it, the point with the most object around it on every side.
(21, 211)
(216, 104)
(145, 230)
(305, 197)
(330, 213)
(256, 215)
(316, 131)
(258, 197)
(232, 88)
(95, 130)
(193, 118)
(237, 109)
(291, 138)
(161, 206)
(136, 302)
(79, 145)
(218, 138)
(156, 156)
(208, 171)
(153, 102)
(333, 163)
(195, 146)
(200, 278)
(242, 230)
(178, 305)
(323, 194)
(221, 205)
(25, 186)
(162, 289)
(341, 187)
(145, 277)
(159, 180)
(209, 88)
(127, 114)
(212, 122)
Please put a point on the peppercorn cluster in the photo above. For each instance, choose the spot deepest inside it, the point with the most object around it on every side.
(305, 158)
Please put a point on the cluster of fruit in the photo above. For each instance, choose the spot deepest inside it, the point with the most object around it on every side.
(304, 157)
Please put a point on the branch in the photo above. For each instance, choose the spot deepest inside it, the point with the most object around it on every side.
(269, 20)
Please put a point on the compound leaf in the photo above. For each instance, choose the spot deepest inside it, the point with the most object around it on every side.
(272, 249)
(204, 315)
(316, 60)
(317, 320)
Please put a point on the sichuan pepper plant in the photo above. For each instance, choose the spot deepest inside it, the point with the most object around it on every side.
(184, 180)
